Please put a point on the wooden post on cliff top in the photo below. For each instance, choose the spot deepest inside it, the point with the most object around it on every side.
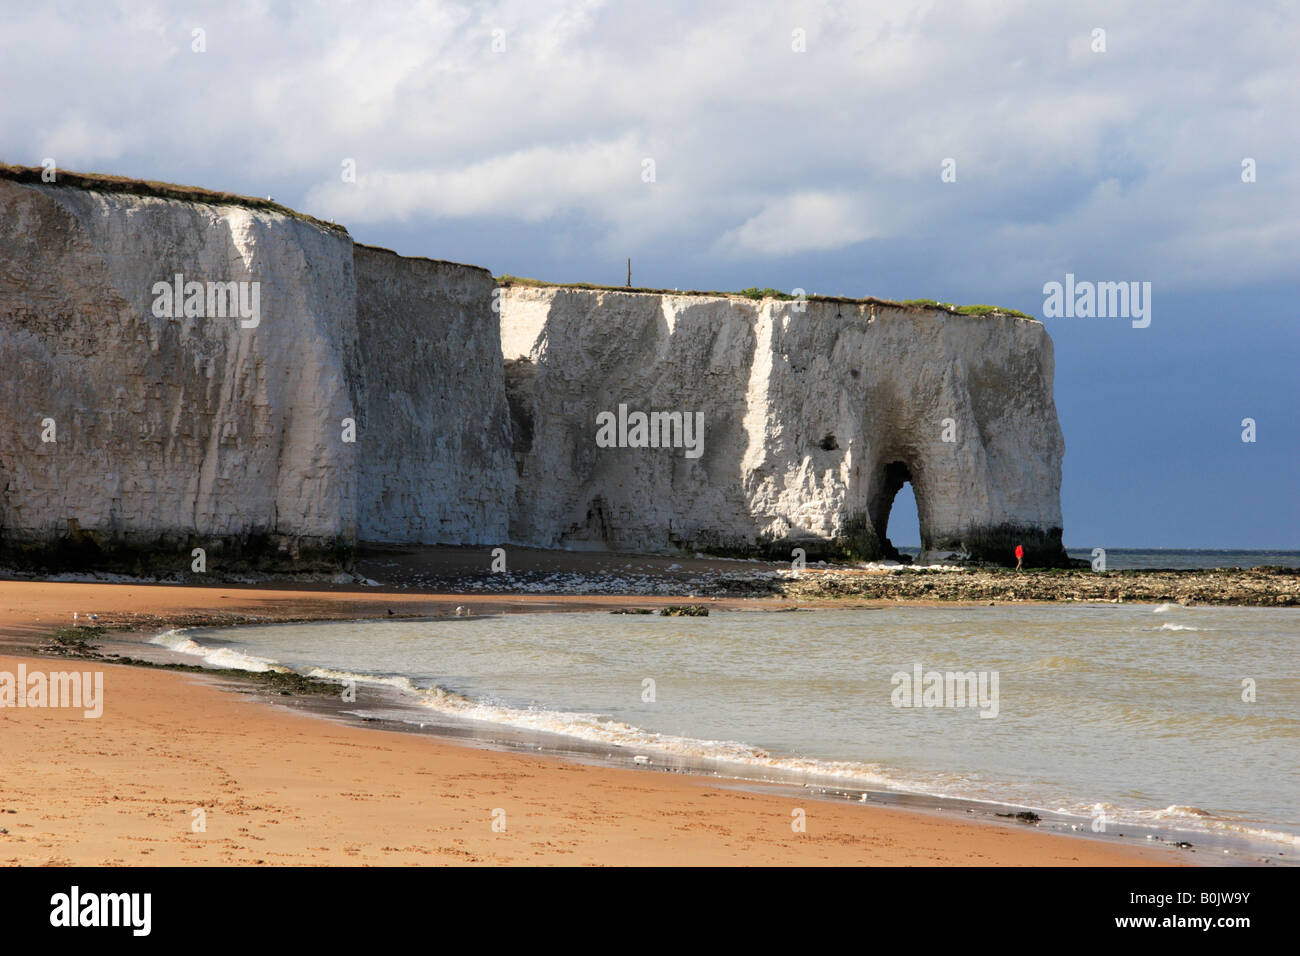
(629, 272)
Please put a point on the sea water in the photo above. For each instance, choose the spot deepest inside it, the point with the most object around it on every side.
(1164, 715)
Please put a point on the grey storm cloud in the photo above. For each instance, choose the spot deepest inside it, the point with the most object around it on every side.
(773, 129)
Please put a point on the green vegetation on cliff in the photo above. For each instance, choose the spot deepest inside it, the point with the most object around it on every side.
(104, 183)
(758, 294)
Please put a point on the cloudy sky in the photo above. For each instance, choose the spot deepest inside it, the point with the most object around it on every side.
(791, 145)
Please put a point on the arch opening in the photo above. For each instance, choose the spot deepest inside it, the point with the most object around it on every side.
(892, 480)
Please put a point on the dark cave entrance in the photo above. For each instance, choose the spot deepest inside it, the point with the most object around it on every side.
(888, 484)
(593, 533)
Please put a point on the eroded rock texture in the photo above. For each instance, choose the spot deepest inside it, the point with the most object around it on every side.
(174, 433)
(472, 425)
(814, 420)
(435, 462)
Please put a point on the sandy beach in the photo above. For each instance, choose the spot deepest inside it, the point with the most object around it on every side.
(286, 788)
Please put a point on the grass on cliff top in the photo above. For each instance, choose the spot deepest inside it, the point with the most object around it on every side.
(104, 183)
(966, 309)
(759, 294)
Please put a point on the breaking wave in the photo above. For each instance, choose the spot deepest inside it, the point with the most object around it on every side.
(177, 640)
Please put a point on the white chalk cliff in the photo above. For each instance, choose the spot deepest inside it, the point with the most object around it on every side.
(815, 414)
(369, 402)
(175, 433)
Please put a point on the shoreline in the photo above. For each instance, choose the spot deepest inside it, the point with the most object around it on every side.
(379, 704)
(463, 574)
(288, 788)
(32, 609)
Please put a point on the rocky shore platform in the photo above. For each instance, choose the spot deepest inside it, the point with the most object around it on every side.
(541, 572)
(1258, 587)
(535, 575)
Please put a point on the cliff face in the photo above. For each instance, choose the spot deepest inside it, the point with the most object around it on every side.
(184, 369)
(176, 431)
(813, 421)
(434, 429)
(169, 431)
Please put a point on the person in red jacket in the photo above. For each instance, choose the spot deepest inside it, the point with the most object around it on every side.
(1020, 556)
